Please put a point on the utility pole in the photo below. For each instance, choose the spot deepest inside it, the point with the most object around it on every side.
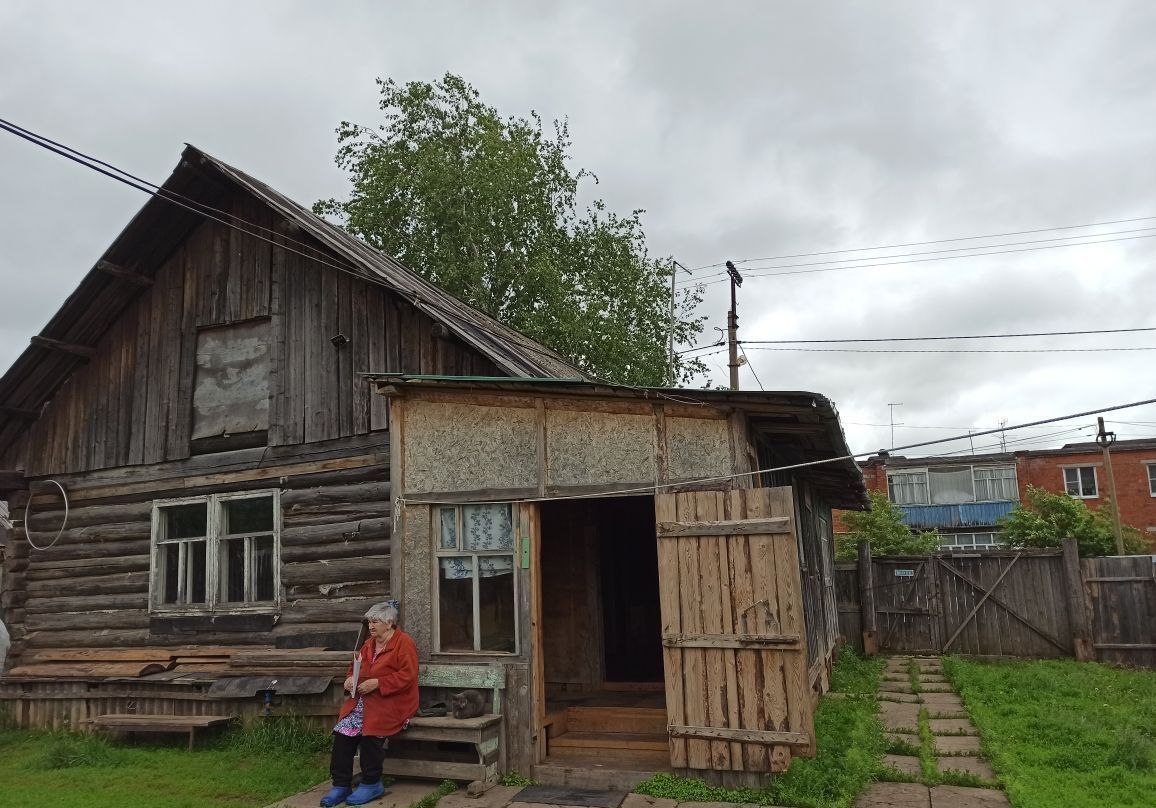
(971, 440)
(674, 267)
(1002, 436)
(1106, 439)
(733, 325)
(892, 408)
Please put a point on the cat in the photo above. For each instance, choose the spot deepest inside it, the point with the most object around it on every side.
(467, 704)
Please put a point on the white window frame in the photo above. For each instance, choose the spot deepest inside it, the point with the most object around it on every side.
(925, 472)
(215, 536)
(1014, 478)
(439, 554)
(926, 485)
(1151, 478)
(945, 542)
(1080, 481)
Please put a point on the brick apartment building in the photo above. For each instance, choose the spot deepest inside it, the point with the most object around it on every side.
(963, 497)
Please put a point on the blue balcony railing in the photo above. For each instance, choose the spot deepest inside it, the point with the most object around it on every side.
(969, 514)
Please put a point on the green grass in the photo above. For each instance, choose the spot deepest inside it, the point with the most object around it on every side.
(67, 770)
(850, 751)
(444, 789)
(1063, 733)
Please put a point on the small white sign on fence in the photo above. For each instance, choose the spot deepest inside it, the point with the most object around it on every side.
(904, 573)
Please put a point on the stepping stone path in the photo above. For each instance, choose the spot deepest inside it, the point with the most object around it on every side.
(915, 686)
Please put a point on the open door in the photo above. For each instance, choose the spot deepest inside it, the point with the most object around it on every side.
(734, 640)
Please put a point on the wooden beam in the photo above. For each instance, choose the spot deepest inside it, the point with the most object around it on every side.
(12, 480)
(109, 268)
(85, 351)
(742, 735)
(730, 640)
(734, 527)
(27, 413)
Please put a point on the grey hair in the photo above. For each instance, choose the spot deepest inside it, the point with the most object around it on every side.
(384, 612)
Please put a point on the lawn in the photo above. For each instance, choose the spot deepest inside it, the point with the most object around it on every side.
(1064, 734)
(243, 770)
(850, 751)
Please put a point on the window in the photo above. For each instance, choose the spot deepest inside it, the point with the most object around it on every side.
(951, 486)
(475, 579)
(996, 482)
(908, 488)
(216, 553)
(968, 541)
(1081, 482)
(1152, 479)
(231, 384)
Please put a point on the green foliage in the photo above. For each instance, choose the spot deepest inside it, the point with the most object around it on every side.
(68, 750)
(487, 208)
(515, 779)
(444, 789)
(882, 527)
(289, 734)
(1045, 519)
(100, 774)
(1064, 734)
(850, 751)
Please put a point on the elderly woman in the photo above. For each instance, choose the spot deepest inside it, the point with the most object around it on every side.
(385, 700)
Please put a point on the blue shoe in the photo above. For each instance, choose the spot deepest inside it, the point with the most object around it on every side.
(366, 792)
(336, 796)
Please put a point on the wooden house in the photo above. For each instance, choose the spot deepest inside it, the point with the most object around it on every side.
(245, 426)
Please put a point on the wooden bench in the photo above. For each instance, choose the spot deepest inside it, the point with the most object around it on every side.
(484, 733)
(131, 722)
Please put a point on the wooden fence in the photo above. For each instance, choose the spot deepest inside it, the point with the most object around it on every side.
(1007, 603)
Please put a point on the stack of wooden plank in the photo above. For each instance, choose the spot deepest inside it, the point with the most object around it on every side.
(287, 661)
(98, 663)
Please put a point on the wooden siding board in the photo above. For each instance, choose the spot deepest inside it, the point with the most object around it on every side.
(278, 349)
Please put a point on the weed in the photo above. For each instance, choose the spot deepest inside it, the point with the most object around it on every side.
(898, 746)
(515, 779)
(953, 777)
(287, 734)
(893, 775)
(68, 750)
(688, 789)
(444, 789)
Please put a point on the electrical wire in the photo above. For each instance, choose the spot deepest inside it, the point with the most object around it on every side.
(948, 350)
(914, 260)
(925, 243)
(929, 339)
(752, 367)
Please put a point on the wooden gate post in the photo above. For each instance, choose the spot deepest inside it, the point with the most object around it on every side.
(867, 601)
(1077, 605)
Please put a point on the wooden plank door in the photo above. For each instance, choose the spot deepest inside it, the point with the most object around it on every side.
(734, 641)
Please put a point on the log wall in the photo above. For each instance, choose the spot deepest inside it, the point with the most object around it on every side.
(90, 589)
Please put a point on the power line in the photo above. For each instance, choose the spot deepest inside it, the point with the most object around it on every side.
(933, 241)
(947, 350)
(823, 268)
(752, 367)
(966, 336)
(202, 209)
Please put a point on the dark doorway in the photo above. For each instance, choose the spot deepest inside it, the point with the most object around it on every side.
(632, 624)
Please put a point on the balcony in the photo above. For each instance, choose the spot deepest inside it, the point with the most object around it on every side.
(968, 514)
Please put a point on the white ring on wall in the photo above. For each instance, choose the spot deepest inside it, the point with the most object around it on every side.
(28, 518)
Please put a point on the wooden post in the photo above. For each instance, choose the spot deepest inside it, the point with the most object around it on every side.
(1077, 607)
(867, 601)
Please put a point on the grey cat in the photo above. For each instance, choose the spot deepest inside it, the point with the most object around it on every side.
(467, 704)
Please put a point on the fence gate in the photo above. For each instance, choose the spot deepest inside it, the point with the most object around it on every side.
(734, 641)
(907, 605)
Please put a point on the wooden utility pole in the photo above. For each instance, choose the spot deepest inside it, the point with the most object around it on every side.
(733, 325)
(674, 267)
(1106, 439)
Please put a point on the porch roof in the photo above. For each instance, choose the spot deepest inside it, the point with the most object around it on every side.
(796, 426)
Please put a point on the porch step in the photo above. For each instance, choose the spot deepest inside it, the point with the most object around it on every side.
(616, 770)
(644, 720)
(611, 740)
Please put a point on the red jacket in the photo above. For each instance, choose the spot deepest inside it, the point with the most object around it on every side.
(395, 700)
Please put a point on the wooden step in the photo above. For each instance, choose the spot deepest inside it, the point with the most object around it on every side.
(646, 720)
(610, 740)
(615, 770)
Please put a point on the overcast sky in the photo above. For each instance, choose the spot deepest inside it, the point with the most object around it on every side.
(745, 130)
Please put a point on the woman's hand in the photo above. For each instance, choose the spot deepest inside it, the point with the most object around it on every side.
(349, 684)
(368, 686)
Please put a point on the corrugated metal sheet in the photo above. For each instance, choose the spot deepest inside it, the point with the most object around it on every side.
(970, 514)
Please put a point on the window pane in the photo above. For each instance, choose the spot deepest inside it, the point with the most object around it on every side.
(449, 523)
(456, 603)
(196, 559)
(1088, 481)
(248, 516)
(951, 486)
(169, 562)
(496, 603)
(185, 521)
(232, 572)
(1072, 481)
(488, 527)
(1152, 480)
(908, 488)
(263, 568)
